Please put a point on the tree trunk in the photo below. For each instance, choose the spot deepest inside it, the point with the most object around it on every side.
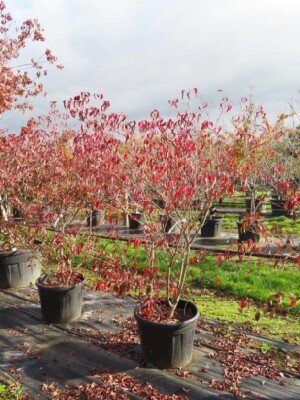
(3, 209)
(126, 218)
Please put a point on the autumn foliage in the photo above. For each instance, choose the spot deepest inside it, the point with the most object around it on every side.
(20, 81)
(170, 169)
(64, 164)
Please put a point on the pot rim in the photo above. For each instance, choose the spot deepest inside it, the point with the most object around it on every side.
(14, 252)
(7, 253)
(136, 213)
(254, 223)
(278, 199)
(168, 325)
(40, 279)
(214, 218)
(250, 198)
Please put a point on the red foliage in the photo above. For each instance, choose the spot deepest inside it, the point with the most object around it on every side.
(113, 386)
(17, 84)
(123, 280)
(244, 304)
(54, 172)
(293, 302)
(157, 311)
(63, 277)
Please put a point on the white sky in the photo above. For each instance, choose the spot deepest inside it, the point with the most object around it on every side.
(141, 53)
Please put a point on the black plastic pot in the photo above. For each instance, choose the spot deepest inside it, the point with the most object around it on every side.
(136, 221)
(257, 203)
(95, 218)
(16, 213)
(248, 234)
(169, 224)
(160, 203)
(168, 345)
(212, 227)
(60, 304)
(18, 268)
(277, 206)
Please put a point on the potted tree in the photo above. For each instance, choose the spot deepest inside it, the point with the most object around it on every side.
(19, 267)
(61, 288)
(95, 218)
(181, 161)
(283, 171)
(50, 206)
(19, 263)
(189, 161)
(253, 149)
(184, 161)
(213, 224)
(136, 221)
(61, 295)
(250, 228)
(64, 173)
(41, 187)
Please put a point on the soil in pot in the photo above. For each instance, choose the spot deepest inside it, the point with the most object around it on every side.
(18, 268)
(168, 345)
(60, 304)
(95, 218)
(136, 221)
(247, 234)
(212, 227)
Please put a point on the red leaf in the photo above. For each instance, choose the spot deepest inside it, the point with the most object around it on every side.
(137, 242)
(219, 259)
(293, 302)
(244, 303)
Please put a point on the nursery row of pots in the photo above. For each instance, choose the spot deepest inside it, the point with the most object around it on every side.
(97, 217)
(211, 228)
(21, 268)
(277, 206)
(164, 345)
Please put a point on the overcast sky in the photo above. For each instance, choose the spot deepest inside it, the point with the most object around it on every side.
(141, 53)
